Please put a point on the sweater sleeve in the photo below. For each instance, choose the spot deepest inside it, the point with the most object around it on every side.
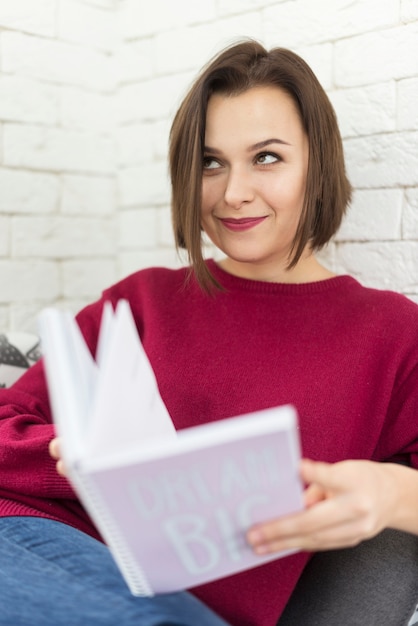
(399, 438)
(405, 412)
(25, 432)
(26, 428)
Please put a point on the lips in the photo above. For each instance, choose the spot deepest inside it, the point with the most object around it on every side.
(242, 223)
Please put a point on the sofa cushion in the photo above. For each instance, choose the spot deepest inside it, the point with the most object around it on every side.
(18, 351)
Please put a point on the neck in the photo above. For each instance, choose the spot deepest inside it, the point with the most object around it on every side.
(307, 270)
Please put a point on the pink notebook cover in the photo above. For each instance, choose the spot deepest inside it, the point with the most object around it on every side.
(180, 521)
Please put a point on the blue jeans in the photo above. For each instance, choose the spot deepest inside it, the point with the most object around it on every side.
(54, 575)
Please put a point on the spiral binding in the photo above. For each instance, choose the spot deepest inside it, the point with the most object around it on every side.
(132, 572)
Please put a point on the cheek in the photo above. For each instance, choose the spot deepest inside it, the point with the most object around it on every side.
(209, 196)
(287, 194)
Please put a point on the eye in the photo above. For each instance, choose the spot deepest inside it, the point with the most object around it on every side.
(267, 158)
(210, 163)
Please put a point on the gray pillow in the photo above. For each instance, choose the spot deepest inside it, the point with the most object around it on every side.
(18, 351)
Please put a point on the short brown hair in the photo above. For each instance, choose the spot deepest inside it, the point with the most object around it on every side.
(236, 69)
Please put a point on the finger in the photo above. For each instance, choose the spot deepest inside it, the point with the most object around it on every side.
(318, 472)
(54, 448)
(312, 495)
(320, 518)
(61, 469)
(339, 536)
(332, 523)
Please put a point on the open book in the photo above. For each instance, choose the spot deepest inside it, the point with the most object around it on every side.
(173, 507)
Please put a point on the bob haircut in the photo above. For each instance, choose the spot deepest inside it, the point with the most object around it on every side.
(233, 71)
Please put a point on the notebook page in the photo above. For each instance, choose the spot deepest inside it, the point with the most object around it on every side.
(71, 373)
(128, 407)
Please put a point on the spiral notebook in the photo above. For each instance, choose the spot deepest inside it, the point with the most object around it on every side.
(173, 507)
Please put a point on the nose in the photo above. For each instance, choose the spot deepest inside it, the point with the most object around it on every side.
(238, 189)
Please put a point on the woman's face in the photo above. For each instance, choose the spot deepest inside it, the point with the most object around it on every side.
(254, 178)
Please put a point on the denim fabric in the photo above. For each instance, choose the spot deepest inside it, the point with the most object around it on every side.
(54, 575)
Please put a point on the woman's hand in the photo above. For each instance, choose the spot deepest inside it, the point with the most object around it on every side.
(55, 452)
(346, 503)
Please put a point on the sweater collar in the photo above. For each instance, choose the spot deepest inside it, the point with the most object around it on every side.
(235, 283)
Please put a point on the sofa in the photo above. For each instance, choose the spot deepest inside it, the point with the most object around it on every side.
(374, 584)
(18, 351)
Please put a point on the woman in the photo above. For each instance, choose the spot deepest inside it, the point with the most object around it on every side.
(256, 164)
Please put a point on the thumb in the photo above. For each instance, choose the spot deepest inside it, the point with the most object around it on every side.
(319, 473)
(54, 448)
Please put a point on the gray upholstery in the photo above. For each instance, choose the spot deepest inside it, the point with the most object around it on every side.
(373, 584)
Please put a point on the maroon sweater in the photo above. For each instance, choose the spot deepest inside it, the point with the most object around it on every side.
(344, 355)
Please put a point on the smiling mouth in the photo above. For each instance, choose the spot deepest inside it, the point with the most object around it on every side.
(243, 223)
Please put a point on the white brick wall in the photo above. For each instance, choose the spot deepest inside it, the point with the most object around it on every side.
(26, 16)
(58, 194)
(57, 61)
(57, 149)
(28, 192)
(87, 92)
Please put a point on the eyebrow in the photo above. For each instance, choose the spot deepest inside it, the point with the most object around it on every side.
(256, 146)
(266, 142)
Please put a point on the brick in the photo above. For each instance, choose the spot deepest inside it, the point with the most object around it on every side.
(4, 236)
(105, 4)
(88, 195)
(410, 215)
(4, 318)
(23, 281)
(211, 251)
(137, 19)
(85, 24)
(76, 304)
(137, 229)
(173, 47)
(62, 237)
(326, 256)
(377, 56)
(24, 316)
(22, 15)
(135, 60)
(407, 104)
(87, 277)
(161, 134)
(375, 214)
(321, 60)
(366, 110)
(385, 160)
(154, 99)
(228, 7)
(165, 233)
(409, 10)
(86, 110)
(384, 265)
(56, 61)
(302, 22)
(135, 144)
(28, 192)
(140, 143)
(57, 149)
(132, 261)
(144, 185)
(27, 100)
